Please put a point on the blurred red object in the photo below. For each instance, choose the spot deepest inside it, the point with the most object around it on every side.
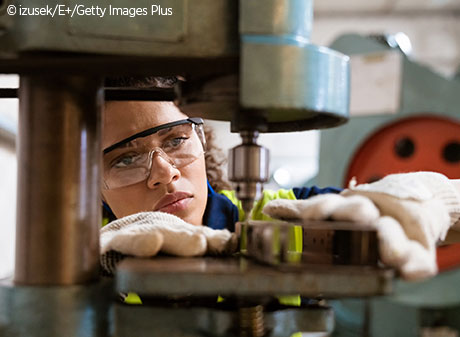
(420, 143)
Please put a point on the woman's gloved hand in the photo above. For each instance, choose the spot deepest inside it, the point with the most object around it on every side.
(145, 234)
(410, 212)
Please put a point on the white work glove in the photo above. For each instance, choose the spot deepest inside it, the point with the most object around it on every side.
(410, 212)
(145, 234)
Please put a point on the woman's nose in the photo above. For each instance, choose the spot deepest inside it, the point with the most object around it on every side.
(162, 171)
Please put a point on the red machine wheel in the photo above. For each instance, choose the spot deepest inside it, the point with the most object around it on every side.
(422, 143)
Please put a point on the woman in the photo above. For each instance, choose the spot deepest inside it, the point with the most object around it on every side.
(155, 163)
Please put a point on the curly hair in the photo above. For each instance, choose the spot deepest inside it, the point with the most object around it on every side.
(142, 82)
(215, 159)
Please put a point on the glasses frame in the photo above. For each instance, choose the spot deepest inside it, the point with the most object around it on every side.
(151, 131)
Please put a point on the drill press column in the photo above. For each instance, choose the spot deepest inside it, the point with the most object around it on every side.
(58, 209)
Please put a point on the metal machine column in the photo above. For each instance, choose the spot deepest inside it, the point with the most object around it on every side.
(58, 212)
(56, 290)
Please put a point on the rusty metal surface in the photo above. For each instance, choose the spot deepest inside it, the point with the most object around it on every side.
(241, 277)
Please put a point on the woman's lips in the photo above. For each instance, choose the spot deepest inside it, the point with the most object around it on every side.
(174, 202)
(176, 206)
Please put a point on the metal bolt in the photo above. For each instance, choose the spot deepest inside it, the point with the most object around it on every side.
(251, 321)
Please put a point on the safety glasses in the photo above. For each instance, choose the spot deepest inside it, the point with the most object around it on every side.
(130, 161)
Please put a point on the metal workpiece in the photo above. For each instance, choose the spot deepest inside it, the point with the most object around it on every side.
(300, 244)
(277, 17)
(55, 311)
(149, 320)
(58, 202)
(248, 169)
(164, 276)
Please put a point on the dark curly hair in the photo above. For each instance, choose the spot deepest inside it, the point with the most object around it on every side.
(214, 157)
(215, 160)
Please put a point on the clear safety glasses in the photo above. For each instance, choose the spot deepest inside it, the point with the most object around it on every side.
(130, 161)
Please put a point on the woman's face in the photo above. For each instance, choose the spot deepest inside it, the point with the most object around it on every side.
(180, 191)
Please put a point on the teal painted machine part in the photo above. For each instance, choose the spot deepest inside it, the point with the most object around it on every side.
(297, 85)
(277, 17)
(302, 76)
(438, 292)
(282, 40)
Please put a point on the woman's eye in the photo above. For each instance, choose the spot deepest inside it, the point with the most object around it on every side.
(174, 143)
(125, 160)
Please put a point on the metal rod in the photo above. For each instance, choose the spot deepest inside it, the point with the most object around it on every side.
(8, 93)
(58, 208)
(157, 94)
(118, 94)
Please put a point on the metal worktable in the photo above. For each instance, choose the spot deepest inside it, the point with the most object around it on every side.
(232, 276)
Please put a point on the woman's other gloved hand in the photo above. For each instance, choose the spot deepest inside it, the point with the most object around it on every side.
(410, 212)
(146, 234)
